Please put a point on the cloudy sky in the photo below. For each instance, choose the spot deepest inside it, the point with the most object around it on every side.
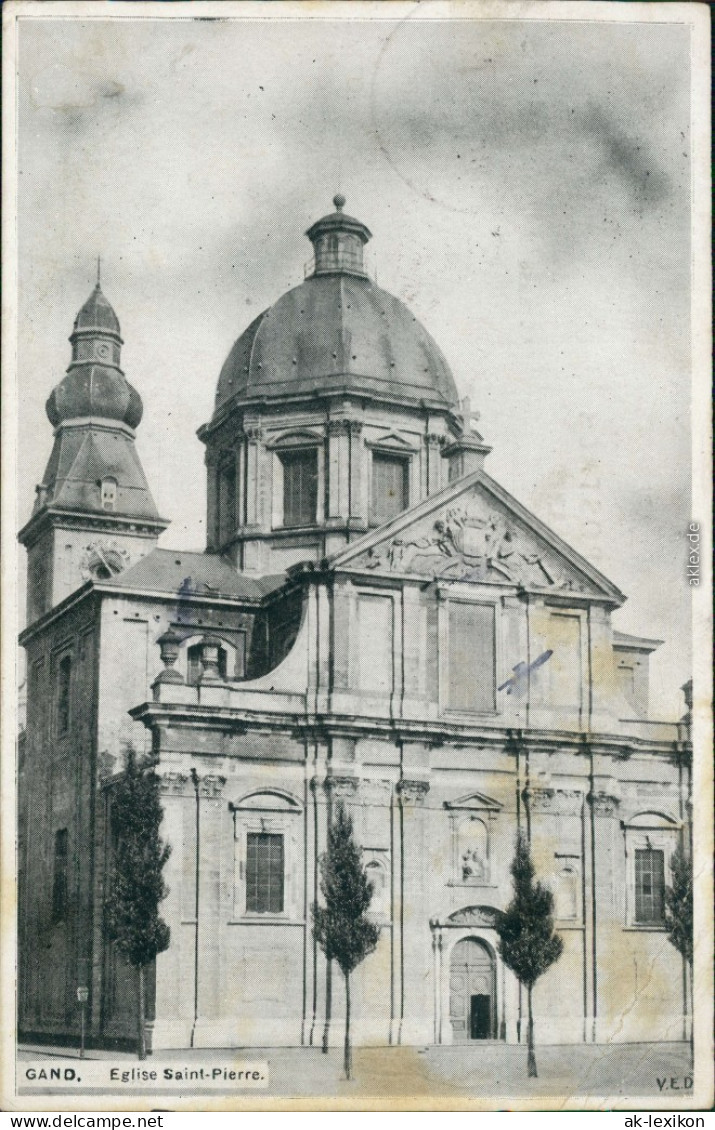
(527, 183)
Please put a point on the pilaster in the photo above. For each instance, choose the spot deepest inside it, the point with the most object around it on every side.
(358, 511)
(434, 443)
(413, 941)
(209, 1006)
(254, 437)
(338, 471)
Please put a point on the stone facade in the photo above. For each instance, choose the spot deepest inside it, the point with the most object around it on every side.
(450, 675)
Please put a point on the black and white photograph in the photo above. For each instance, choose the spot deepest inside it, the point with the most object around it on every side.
(356, 578)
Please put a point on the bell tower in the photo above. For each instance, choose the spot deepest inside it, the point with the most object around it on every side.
(94, 513)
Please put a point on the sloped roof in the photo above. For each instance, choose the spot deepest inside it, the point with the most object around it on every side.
(97, 314)
(81, 457)
(194, 574)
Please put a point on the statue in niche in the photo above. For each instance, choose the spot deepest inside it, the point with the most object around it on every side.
(473, 867)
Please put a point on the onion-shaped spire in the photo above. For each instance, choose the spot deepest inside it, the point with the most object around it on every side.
(95, 386)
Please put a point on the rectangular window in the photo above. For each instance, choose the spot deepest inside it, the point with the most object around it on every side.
(650, 885)
(375, 642)
(63, 695)
(563, 668)
(472, 656)
(227, 500)
(300, 487)
(60, 876)
(264, 873)
(389, 487)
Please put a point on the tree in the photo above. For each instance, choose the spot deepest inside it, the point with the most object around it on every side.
(527, 942)
(137, 884)
(679, 912)
(341, 926)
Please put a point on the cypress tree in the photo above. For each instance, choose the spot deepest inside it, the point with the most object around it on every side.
(137, 885)
(341, 927)
(527, 942)
(679, 914)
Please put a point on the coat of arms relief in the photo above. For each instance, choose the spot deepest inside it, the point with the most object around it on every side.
(470, 542)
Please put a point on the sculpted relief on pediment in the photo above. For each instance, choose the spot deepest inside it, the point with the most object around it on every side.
(470, 542)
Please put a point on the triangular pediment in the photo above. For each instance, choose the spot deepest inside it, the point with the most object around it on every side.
(392, 440)
(474, 802)
(475, 532)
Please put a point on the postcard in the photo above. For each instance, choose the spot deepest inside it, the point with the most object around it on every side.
(357, 742)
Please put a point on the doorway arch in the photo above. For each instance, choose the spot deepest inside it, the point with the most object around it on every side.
(472, 992)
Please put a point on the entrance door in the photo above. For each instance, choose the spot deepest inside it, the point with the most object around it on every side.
(480, 1017)
(472, 1003)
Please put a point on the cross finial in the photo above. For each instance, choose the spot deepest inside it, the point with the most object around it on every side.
(99, 270)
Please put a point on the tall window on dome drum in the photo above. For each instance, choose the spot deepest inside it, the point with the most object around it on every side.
(264, 873)
(300, 486)
(650, 886)
(227, 498)
(390, 485)
(472, 657)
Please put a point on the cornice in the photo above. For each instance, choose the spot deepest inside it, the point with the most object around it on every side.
(235, 720)
(51, 517)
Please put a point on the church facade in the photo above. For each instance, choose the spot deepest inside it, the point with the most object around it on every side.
(375, 622)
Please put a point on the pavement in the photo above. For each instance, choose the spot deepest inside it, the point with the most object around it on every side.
(489, 1071)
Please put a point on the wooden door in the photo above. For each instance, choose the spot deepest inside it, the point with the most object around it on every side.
(472, 1003)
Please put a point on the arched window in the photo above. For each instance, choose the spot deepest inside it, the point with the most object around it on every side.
(266, 845)
(650, 840)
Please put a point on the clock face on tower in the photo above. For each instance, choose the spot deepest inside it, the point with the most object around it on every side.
(103, 560)
(104, 350)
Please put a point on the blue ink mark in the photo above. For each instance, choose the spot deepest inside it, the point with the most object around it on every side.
(186, 588)
(516, 681)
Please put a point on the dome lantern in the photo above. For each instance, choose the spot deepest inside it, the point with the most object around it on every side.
(338, 241)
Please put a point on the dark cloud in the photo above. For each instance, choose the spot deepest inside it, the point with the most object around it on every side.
(628, 156)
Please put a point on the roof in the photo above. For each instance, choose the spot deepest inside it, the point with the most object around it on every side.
(194, 574)
(84, 455)
(622, 641)
(337, 332)
(97, 314)
(92, 390)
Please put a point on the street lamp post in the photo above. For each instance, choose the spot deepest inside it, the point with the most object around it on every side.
(82, 998)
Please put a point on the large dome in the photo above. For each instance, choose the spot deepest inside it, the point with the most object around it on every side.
(336, 332)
